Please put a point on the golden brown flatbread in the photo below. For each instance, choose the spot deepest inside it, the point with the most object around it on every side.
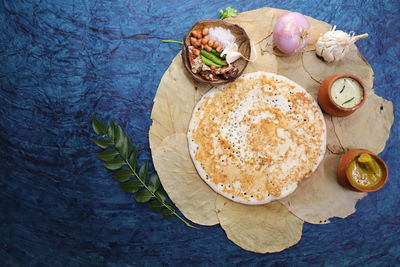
(253, 140)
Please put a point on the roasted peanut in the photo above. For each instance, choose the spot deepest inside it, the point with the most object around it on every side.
(208, 48)
(219, 49)
(210, 42)
(196, 51)
(216, 44)
(194, 33)
(205, 31)
(193, 40)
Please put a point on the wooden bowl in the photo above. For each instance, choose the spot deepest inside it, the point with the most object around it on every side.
(344, 165)
(241, 39)
(326, 102)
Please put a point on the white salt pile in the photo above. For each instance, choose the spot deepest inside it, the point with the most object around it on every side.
(223, 36)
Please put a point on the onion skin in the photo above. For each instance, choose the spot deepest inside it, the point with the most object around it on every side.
(291, 33)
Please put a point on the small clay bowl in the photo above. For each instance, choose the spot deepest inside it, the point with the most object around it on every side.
(326, 102)
(344, 165)
(241, 39)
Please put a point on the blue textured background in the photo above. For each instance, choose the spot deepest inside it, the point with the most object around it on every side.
(62, 60)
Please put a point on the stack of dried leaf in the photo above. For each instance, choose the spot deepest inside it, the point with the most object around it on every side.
(278, 225)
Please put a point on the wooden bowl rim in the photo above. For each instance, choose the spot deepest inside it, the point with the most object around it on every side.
(185, 59)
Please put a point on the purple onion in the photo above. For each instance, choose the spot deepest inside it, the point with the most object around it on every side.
(291, 33)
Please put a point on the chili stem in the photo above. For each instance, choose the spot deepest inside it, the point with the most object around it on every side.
(172, 41)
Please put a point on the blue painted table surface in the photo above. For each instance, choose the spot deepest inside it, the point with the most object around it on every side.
(62, 60)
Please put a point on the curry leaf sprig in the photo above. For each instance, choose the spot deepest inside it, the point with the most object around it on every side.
(229, 12)
(119, 156)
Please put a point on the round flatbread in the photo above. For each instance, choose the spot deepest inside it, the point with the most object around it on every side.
(255, 139)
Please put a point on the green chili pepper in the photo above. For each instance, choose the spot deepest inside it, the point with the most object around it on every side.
(215, 52)
(218, 54)
(213, 58)
(209, 62)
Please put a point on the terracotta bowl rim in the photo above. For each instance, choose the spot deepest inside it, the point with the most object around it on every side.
(185, 53)
(343, 75)
(359, 151)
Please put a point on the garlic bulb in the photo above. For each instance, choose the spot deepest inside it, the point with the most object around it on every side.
(333, 45)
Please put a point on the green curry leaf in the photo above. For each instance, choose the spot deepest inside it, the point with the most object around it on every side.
(229, 12)
(98, 126)
(114, 164)
(131, 186)
(121, 154)
(102, 143)
(122, 175)
(107, 155)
